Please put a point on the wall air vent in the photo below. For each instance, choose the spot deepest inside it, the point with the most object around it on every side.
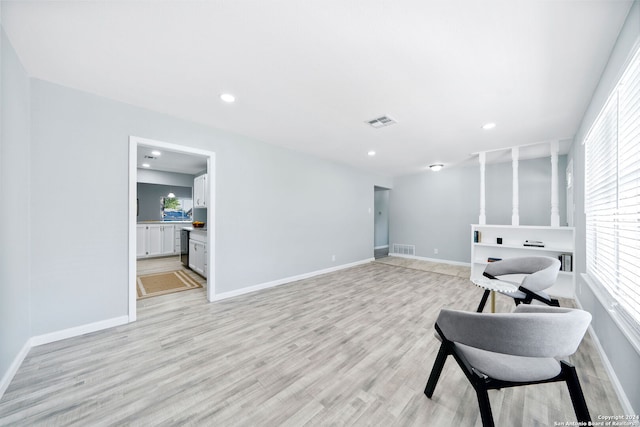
(400, 249)
(381, 122)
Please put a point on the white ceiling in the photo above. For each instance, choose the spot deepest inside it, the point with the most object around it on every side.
(170, 161)
(308, 74)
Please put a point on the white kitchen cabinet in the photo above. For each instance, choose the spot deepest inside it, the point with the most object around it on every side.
(168, 239)
(155, 240)
(200, 191)
(198, 252)
(557, 241)
(141, 241)
(177, 229)
(197, 257)
(206, 261)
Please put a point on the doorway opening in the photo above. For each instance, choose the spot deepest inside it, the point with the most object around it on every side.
(188, 153)
(381, 222)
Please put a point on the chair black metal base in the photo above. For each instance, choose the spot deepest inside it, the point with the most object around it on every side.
(483, 301)
(482, 384)
(530, 296)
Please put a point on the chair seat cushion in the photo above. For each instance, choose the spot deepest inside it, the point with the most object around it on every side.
(506, 367)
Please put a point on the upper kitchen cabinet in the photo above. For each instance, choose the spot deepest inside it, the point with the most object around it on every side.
(200, 191)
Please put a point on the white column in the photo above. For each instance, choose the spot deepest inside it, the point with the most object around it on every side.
(555, 210)
(515, 213)
(483, 214)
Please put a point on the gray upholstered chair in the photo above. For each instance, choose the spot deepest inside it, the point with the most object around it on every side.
(512, 349)
(540, 273)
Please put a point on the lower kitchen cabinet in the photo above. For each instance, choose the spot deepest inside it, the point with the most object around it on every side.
(155, 240)
(141, 241)
(198, 257)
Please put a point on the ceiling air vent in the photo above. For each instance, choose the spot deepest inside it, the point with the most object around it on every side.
(381, 122)
(146, 156)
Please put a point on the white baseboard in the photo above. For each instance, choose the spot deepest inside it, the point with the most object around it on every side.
(421, 258)
(55, 336)
(622, 396)
(380, 247)
(15, 365)
(78, 330)
(278, 282)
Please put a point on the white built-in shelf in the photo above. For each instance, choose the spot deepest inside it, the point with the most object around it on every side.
(557, 241)
(528, 248)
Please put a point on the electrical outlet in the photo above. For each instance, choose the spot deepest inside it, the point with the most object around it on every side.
(333, 257)
(435, 251)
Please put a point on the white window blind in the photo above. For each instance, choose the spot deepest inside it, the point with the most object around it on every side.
(612, 196)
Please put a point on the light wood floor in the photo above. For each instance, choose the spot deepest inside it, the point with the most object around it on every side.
(354, 347)
(434, 267)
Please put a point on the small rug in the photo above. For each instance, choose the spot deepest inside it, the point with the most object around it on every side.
(434, 267)
(152, 285)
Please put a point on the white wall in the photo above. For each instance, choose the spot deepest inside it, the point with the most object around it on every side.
(434, 210)
(534, 182)
(624, 359)
(15, 324)
(279, 213)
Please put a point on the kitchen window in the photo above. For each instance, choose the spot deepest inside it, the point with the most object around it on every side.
(177, 209)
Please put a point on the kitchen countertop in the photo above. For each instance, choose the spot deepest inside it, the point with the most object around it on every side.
(164, 222)
(184, 225)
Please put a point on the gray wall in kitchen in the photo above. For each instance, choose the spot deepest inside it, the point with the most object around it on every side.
(435, 210)
(623, 357)
(200, 214)
(15, 229)
(281, 214)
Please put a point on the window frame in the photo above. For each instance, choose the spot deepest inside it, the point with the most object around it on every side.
(608, 290)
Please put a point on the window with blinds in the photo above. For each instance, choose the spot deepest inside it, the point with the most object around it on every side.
(612, 196)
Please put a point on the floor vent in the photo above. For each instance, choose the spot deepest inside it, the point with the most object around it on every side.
(381, 122)
(404, 249)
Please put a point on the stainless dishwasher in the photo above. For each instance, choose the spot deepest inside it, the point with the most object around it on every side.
(184, 247)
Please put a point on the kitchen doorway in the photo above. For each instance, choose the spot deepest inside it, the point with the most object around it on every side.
(134, 143)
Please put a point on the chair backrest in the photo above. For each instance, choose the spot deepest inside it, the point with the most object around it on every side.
(533, 331)
(541, 271)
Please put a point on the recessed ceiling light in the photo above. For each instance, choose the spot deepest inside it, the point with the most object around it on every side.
(146, 165)
(227, 97)
(371, 153)
(156, 152)
(436, 167)
(488, 126)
